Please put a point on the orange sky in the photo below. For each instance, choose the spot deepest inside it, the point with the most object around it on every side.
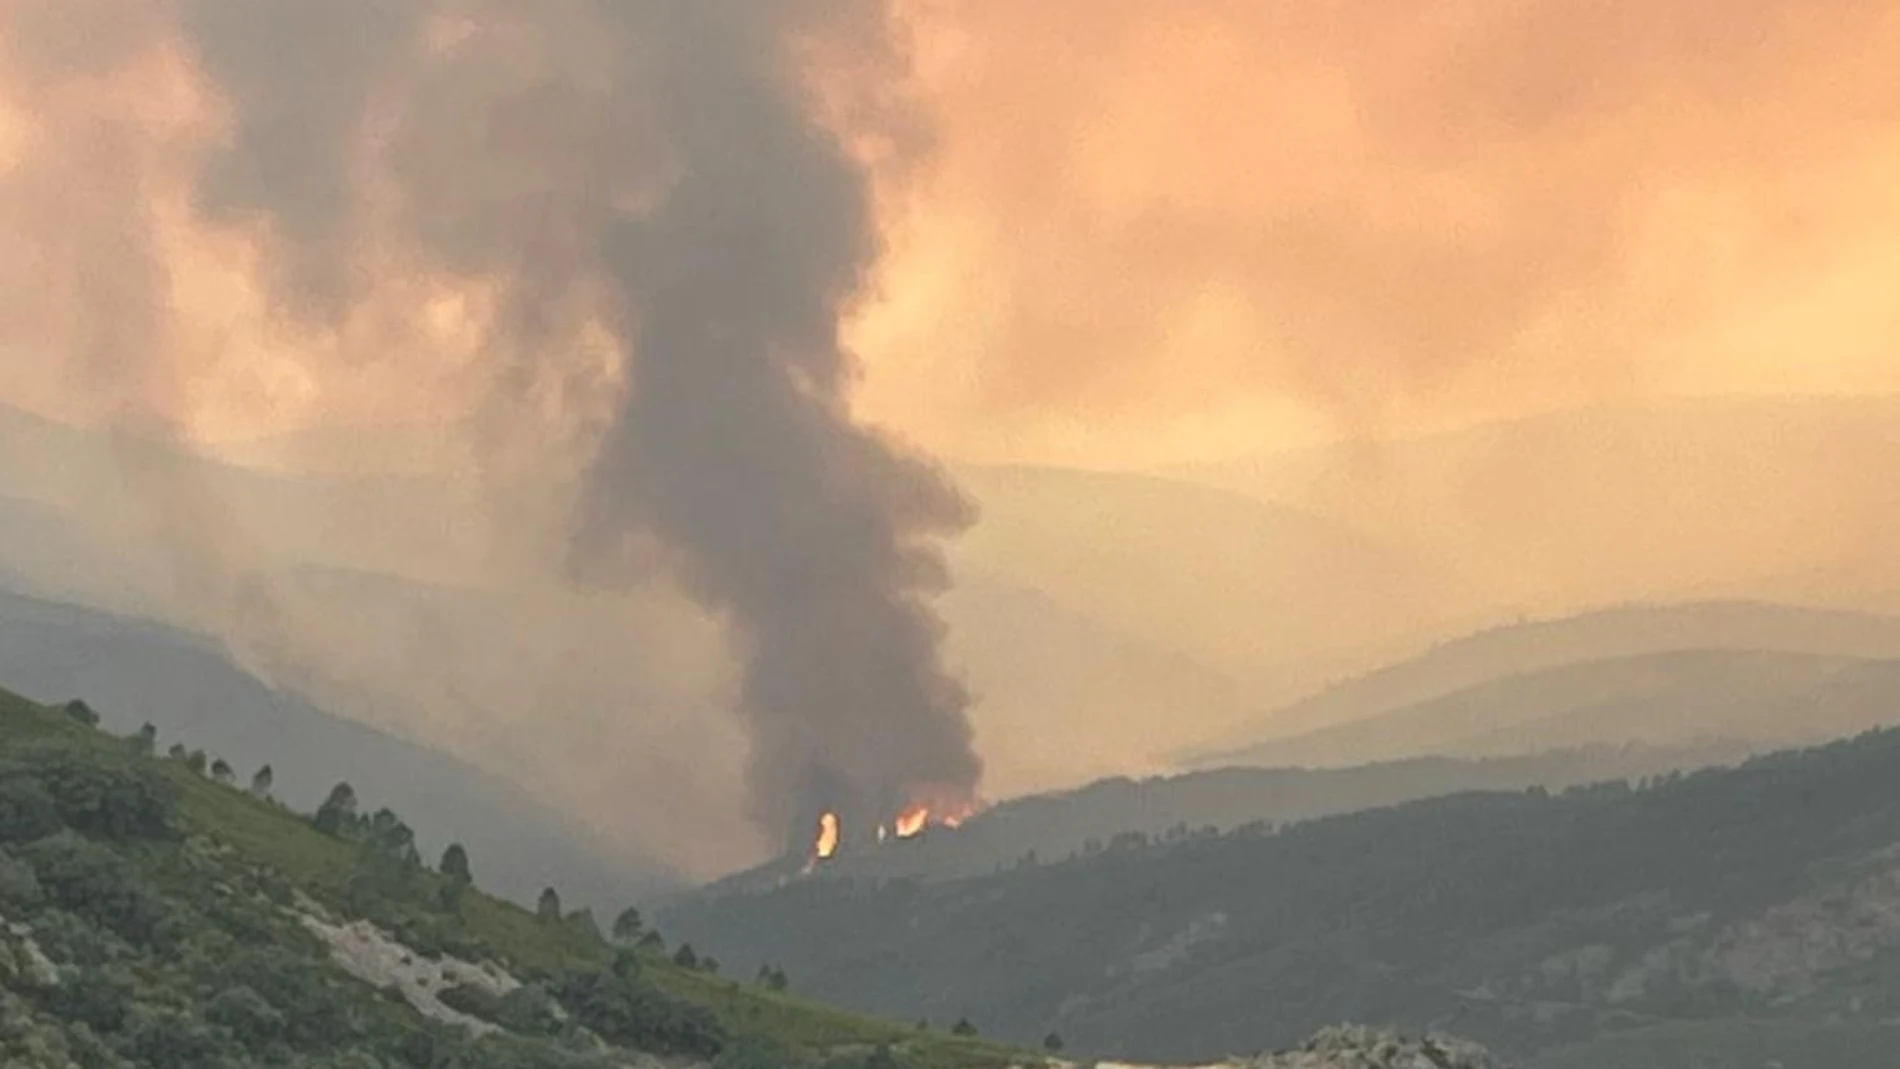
(1144, 233)
(1122, 233)
(1160, 231)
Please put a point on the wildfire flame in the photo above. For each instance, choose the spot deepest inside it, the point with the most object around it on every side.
(912, 821)
(827, 843)
(907, 825)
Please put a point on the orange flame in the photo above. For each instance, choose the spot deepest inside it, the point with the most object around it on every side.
(912, 821)
(827, 843)
(921, 815)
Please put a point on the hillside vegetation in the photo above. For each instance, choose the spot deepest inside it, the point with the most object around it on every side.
(155, 916)
(1050, 827)
(1660, 923)
(136, 671)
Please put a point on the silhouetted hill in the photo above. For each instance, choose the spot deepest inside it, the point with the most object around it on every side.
(1761, 699)
(1759, 901)
(1607, 637)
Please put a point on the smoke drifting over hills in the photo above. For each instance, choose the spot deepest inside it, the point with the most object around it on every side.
(628, 221)
(617, 241)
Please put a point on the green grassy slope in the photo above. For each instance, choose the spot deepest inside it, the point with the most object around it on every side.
(207, 879)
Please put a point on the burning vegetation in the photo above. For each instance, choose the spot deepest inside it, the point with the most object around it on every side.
(827, 842)
(909, 823)
(658, 260)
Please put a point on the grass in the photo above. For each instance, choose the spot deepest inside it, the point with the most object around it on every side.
(812, 1026)
(263, 832)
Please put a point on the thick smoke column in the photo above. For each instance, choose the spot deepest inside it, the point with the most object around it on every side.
(739, 453)
(656, 169)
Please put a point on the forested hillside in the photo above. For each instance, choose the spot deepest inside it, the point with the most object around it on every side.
(155, 915)
(1688, 917)
(1051, 827)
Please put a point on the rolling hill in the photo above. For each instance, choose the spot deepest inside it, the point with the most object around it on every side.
(1754, 908)
(1750, 698)
(1608, 637)
(1075, 617)
(152, 917)
(136, 672)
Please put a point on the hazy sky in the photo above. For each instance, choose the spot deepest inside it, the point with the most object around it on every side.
(1124, 233)
(1162, 230)
(1108, 233)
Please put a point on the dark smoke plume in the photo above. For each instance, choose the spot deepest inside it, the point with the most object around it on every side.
(659, 165)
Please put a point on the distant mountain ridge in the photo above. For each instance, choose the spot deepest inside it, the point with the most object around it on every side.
(1073, 617)
(135, 671)
(1490, 657)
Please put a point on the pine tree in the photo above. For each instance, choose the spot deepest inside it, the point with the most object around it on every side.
(628, 926)
(455, 865)
(337, 814)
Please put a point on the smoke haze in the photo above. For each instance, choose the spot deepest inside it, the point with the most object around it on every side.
(605, 265)
(627, 220)
(1168, 232)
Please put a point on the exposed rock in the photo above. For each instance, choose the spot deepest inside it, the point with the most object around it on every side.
(373, 956)
(1350, 1047)
(21, 959)
(1367, 1048)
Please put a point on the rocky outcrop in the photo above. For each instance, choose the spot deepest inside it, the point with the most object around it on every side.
(22, 962)
(1367, 1048)
(375, 957)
